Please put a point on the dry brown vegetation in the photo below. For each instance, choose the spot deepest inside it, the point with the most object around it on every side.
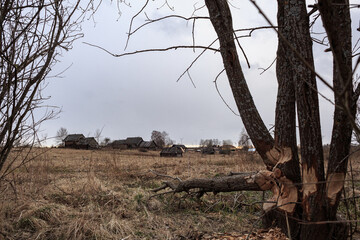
(105, 194)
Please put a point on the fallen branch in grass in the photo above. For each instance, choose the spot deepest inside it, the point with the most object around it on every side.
(259, 181)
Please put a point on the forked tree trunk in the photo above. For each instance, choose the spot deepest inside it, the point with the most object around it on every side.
(297, 83)
(221, 19)
(336, 19)
(304, 200)
(294, 33)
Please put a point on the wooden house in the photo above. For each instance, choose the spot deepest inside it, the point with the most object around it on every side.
(71, 140)
(129, 143)
(148, 145)
(88, 143)
(183, 147)
(171, 152)
(79, 141)
(208, 150)
(133, 142)
(118, 144)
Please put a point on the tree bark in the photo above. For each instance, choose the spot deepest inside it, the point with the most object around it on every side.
(221, 19)
(257, 181)
(297, 84)
(336, 19)
(294, 30)
(285, 127)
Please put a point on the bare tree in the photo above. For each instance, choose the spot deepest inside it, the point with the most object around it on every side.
(32, 35)
(97, 134)
(162, 139)
(305, 199)
(168, 140)
(61, 135)
(244, 139)
(158, 138)
(106, 141)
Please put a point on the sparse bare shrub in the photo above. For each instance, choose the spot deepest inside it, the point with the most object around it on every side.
(32, 35)
(61, 134)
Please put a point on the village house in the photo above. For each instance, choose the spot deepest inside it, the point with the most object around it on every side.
(133, 142)
(79, 141)
(172, 152)
(71, 140)
(118, 144)
(148, 145)
(88, 143)
(183, 147)
(128, 143)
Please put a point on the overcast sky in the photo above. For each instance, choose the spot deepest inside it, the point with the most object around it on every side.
(134, 95)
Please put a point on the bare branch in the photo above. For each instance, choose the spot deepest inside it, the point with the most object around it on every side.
(151, 50)
(291, 47)
(217, 89)
(193, 62)
(265, 69)
(131, 22)
(150, 21)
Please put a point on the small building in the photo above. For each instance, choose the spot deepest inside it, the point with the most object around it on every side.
(227, 149)
(133, 142)
(148, 145)
(71, 140)
(79, 141)
(88, 143)
(183, 147)
(128, 143)
(118, 144)
(208, 150)
(171, 152)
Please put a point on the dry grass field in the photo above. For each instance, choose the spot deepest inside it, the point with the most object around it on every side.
(105, 194)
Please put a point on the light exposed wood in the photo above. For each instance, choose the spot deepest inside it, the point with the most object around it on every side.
(285, 196)
(273, 155)
(334, 185)
(309, 180)
(285, 155)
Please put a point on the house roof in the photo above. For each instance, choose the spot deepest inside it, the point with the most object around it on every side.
(119, 142)
(88, 141)
(172, 150)
(147, 144)
(74, 137)
(134, 140)
(91, 139)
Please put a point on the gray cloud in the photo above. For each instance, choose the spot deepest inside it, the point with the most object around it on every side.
(133, 95)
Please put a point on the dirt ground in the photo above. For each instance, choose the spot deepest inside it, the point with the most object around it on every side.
(106, 194)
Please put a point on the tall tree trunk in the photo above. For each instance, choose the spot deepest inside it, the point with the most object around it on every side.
(221, 19)
(297, 84)
(294, 33)
(337, 23)
(285, 128)
(295, 30)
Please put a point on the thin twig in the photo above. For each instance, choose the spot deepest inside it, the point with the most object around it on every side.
(265, 69)
(218, 91)
(193, 62)
(131, 22)
(150, 50)
(242, 50)
(291, 46)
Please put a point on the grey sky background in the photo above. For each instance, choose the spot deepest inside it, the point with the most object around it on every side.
(134, 95)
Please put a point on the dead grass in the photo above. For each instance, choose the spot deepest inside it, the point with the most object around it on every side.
(78, 194)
